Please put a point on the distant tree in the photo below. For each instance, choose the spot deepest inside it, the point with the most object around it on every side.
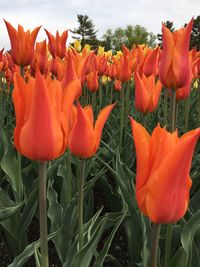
(129, 36)
(107, 39)
(170, 26)
(119, 38)
(152, 39)
(85, 32)
(195, 34)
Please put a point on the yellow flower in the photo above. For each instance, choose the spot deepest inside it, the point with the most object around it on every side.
(100, 51)
(108, 53)
(196, 84)
(105, 79)
(87, 48)
(77, 45)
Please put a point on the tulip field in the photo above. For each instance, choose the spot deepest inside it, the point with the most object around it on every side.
(99, 153)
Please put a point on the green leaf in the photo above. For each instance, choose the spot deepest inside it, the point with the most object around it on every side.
(7, 206)
(179, 259)
(54, 213)
(189, 230)
(102, 255)
(21, 259)
(11, 165)
(25, 219)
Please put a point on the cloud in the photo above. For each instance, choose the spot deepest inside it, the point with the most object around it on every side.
(61, 15)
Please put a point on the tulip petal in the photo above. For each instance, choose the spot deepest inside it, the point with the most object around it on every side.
(181, 62)
(168, 200)
(102, 117)
(167, 55)
(69, 95)
(82, 140)
(41, 136)
(141, 140)
(142, 97)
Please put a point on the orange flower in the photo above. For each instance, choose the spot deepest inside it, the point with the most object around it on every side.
(118, 85)
(175, 66)
(147, 93)
(22, 44)
(57, 44)
(92, 81)
(150, 65)
(42, 117)
(162, 178)
(40, 59)
(84, 137)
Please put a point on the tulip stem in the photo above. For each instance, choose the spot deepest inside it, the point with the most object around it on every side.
(121, 118)
(172, 128)
(66, 184)
(172, 114)
(80, 203)
(168, 241)
(127, 104)
(187, 109)
(43, 214)
(154, 245)
(165, 106)
(100, 94)
(94, 101)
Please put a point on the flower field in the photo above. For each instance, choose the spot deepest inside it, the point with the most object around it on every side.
(94, 143)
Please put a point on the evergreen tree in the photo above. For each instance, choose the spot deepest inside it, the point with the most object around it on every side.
(195, 34)
(85, 32)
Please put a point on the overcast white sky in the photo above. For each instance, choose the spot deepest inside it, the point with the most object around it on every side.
(62, 14)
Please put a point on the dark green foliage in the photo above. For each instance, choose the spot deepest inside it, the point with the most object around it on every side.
(195, 34)
(85, 32)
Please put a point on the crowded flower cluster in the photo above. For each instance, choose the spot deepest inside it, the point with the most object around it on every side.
(58, 105)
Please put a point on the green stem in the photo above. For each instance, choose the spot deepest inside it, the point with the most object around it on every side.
(154, 245)
(111, 91)
(66, 184)
(100, 93)
(69, 177)
(80, 203)
(127, 104)
(187, 108)
(172, 112)
(165, 107)
(168, 242)
(43, 214)
(94, 101)
(198, 118)
(145, 120)
(121, 119)
(172, 128)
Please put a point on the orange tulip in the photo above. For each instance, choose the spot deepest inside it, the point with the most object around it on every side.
(40, 59)
(118, 85)
(175, 66)
(162, 176)
(147, 93)
(92, 81)
(150, 65)
(84, 137)
(22, 44)
(57, 44)
(42, 117)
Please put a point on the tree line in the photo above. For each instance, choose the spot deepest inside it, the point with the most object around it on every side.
(129, 36)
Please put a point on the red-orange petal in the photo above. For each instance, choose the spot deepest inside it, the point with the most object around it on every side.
(82, 139)
(101, 119)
